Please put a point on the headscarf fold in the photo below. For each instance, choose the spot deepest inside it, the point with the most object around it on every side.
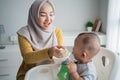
(33, 32)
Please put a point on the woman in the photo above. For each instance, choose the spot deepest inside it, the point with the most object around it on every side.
(39, 40)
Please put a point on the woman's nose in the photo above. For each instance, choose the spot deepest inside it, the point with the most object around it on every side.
(48, 18)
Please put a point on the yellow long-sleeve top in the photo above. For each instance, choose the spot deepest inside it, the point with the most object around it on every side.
(31, 57)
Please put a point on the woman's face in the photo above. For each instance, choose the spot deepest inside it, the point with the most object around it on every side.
(46, 16)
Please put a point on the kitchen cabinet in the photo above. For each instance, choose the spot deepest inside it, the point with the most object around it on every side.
(10, 60)
(69, 38)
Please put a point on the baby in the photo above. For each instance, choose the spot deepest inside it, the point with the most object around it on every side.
(86, 46)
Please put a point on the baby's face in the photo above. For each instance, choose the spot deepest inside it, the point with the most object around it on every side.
(77, 49)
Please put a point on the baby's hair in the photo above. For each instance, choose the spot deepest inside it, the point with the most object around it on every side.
(89, 38)
(91, 33)
(86, 39)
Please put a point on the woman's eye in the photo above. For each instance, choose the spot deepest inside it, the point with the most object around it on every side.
(42, 15)
(51, 14)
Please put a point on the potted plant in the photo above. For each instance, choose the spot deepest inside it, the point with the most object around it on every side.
(89, 26)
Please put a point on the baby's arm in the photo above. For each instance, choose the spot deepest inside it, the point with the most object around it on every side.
(73, 71)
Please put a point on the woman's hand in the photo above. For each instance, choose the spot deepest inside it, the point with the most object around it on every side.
(57, 51)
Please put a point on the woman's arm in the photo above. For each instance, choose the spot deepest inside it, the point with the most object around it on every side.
(29, 55)
(33, 57)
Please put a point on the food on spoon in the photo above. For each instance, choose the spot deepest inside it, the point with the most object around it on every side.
(63, 58)
(64, 51)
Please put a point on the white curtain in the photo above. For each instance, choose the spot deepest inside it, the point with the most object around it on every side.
(113, 26)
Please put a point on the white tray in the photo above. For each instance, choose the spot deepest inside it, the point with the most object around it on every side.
(43, 72)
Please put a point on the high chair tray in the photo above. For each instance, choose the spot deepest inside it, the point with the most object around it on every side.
(43, 72)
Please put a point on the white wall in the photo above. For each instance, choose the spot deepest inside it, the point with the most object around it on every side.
(103, 13)
(71, 15)
(13, 15)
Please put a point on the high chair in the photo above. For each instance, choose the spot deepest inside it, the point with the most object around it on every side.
(107, 64)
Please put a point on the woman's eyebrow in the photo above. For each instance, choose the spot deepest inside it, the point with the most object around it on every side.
(46, 12)
(42, 12)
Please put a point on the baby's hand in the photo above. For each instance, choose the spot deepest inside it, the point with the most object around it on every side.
(71, 67)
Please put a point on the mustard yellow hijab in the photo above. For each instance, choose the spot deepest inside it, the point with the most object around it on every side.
(38, 37)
